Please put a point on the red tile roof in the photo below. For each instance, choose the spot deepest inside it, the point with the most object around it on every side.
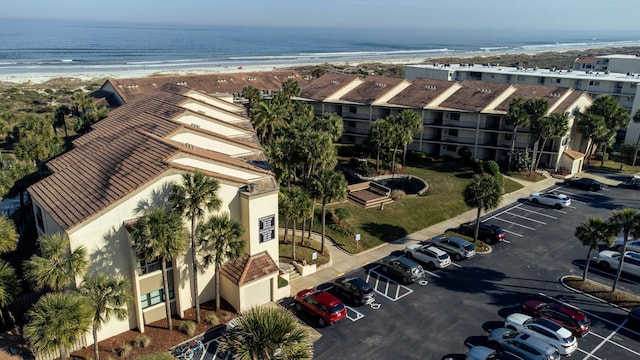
(211, 84)
(127, 150)
(249, 268)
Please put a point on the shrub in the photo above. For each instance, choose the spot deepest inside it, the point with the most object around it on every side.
(465, 153)
(212, 319)
(341, 229)
(124, 349)
(225, 316)
(188, 327)
(157, 356)
(398, 194)
(599, 154)
(282, 282)
(342, 213)
(142, 340)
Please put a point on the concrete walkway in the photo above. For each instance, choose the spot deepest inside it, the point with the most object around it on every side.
(343, 262)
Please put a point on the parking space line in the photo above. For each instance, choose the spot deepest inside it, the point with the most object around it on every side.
(606, 341)
(541, 214)
(528, 219)
(358, 314)
(586, 353)
(502, 212)
(563, 212)
(378, 276)
(618, 344)
(456, 264)
(516, 224)
(432, 274)
(512, 233)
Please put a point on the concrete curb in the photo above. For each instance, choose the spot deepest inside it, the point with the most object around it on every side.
(588, 295)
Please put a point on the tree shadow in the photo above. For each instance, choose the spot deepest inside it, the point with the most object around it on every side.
(385, 232)
(157, 199)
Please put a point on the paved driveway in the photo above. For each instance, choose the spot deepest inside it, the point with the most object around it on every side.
(459, 305)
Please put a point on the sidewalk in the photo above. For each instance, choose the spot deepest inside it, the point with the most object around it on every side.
(343, 262)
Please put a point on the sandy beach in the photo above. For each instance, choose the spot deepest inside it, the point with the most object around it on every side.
(88, 74)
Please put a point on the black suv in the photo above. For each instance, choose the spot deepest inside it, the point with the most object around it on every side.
(488, 233)
(355, 290)
(401, 267)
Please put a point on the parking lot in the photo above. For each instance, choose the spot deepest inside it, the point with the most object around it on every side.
(456, 307)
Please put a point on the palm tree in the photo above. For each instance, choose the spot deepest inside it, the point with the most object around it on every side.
(266, 117)
(160, 235)
(626, 220)
(636, 119)
(268, 332)
(614, 115)
(484, 193)
(253, 95)
(57, 321)
(516, 117)
(9, 287)
(285, 208)
(380, 134)
(291, 87)
(592, 232)
(556, 125)
(593, 127)
(8, 235)
(330, 123)
(409, 123)
(107, 297)
(328, 185)
(220, 240)
(59, 120)
(81, 105)
(195, 197)
(58, 266)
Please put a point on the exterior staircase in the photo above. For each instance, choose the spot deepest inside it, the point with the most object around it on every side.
(292, 271)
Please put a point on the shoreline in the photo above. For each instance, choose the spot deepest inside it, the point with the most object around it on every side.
(88, 74)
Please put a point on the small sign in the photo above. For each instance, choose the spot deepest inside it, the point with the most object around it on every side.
(357, 237)
(314, 256)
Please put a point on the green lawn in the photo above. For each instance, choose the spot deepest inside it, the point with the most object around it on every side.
(303, 252)
(442, 201)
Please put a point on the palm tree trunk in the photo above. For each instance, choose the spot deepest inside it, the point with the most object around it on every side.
(194, 259)
(293, 241)
(286, 229)
(624, 250)
(404, 155)
(217, 285)
(96, 353)
(635, 152)
(544, 142)
(324, 214)
(475, 235)
(313, 215)
(63, 352)
(586, 266)
(513, 147)
(167, 301)
(393, 160)
(604, 153)
(378, 160)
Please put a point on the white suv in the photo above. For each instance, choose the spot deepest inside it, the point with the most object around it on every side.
(428, 255)
(608, 259)
(455, 246)
(633, 244)
(545, 330)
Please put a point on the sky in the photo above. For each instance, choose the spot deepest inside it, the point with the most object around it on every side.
(549, 15)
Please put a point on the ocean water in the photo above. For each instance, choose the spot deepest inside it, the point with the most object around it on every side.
(57, 47)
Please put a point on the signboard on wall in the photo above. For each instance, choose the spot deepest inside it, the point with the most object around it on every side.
(267, 228)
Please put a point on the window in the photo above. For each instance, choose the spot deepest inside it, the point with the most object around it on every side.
(155, 297)
(508, 137)
(451, 148)
(147, 267)
(351, 124)
(453, 132)
(39, 221)
(353, 109)
(454, 116)
(267, 226)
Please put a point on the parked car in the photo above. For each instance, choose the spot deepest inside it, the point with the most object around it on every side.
(488, 233)
(574, 320)
(553, 199)
(632, 182)
(523, 345)
(485, 353)
(354, 290)
(633, 319)
(428, 255)
(405, 269)
(632, 244)
(321, 304)
(585, 183)
(608, 259)
(455, 246)
(545, 330)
